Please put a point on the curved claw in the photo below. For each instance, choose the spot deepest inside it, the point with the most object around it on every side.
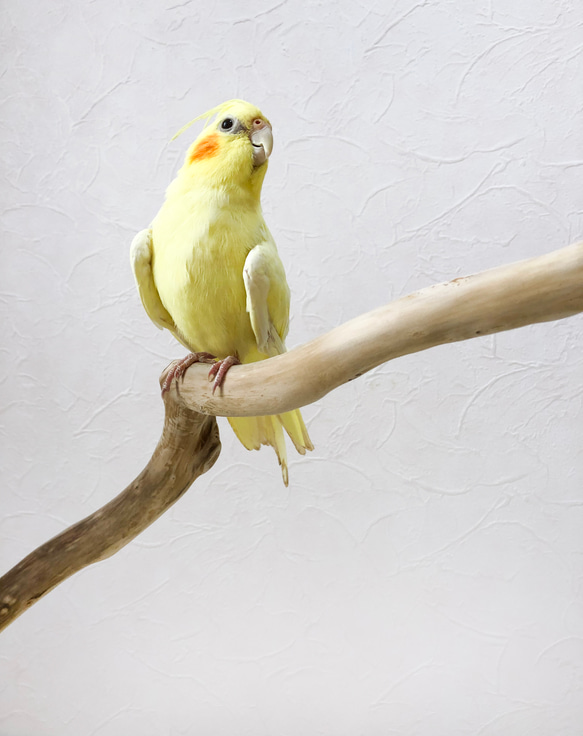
(220, 368)
(179, 369)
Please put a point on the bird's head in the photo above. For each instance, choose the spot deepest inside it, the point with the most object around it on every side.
(233, 149)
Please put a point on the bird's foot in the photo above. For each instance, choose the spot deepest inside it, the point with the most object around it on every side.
(179, 369)
(219, 370)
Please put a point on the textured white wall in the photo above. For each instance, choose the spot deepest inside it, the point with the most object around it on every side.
(423, 574)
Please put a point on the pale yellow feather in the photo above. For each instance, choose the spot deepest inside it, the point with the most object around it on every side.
(201, 238)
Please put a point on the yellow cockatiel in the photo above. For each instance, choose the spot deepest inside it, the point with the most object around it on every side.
(208, 270)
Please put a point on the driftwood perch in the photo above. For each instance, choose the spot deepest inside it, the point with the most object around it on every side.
(189, 446)
(541, 289)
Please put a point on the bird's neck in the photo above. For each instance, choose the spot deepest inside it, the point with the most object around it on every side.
(237, 184)
(219, 194)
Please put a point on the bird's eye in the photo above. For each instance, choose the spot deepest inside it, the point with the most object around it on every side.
(227, 124)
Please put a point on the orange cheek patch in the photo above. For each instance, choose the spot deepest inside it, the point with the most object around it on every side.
(205, 149)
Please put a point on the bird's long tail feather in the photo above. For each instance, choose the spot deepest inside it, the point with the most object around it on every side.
(253, 432)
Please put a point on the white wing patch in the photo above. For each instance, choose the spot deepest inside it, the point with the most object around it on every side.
(141, 260)
(257, 279)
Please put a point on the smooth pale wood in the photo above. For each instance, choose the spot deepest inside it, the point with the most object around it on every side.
(188, 447)
(537, 290)
(541, 289)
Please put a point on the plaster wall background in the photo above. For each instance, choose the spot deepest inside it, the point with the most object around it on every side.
(423, 573)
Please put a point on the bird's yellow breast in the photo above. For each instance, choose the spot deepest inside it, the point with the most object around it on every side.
(200, 242)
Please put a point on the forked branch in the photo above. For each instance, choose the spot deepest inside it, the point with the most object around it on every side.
(541, 289)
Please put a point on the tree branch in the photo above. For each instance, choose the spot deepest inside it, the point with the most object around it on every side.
(540, 289)
(189, 446)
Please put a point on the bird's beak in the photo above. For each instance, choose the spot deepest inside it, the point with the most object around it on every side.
(261, 138)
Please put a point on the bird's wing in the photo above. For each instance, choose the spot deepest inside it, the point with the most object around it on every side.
(267, 298)
(141, 260)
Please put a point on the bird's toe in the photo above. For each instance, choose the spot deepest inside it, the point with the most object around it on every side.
(220, 369)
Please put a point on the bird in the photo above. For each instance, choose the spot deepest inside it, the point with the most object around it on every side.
(208, 270)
